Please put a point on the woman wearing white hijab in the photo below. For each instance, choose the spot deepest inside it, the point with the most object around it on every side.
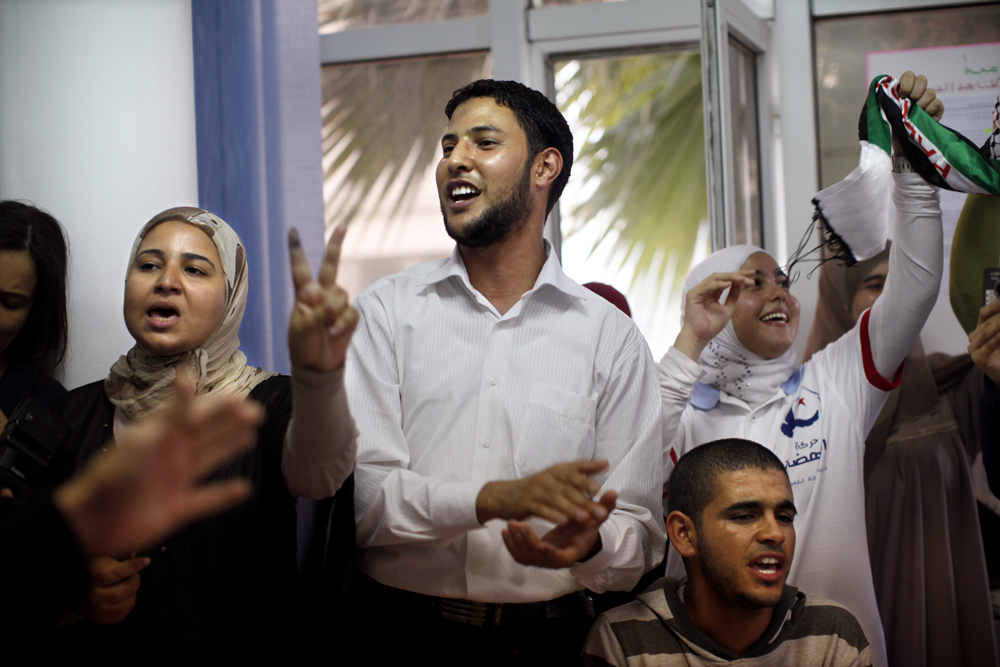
(732, 373)
(231, 576)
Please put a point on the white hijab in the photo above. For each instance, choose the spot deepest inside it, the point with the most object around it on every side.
(731, 367)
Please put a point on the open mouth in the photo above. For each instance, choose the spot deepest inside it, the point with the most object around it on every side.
(461, 192)
(775, 317)
(162, 314)
(768, 568)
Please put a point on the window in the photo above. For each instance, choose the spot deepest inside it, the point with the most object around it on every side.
(634, 212)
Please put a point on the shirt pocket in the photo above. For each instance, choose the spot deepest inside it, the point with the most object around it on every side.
(557, 426)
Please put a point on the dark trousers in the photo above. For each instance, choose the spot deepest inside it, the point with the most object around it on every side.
(398, 627)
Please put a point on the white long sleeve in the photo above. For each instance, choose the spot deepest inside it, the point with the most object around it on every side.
(915, 266)
(449, 395)
(320, 443)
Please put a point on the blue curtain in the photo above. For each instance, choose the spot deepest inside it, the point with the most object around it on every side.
(257, 99)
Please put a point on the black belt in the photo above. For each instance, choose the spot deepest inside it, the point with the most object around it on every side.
(575, 606)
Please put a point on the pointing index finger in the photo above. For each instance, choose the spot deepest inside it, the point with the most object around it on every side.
(331, 260)
(301, 275)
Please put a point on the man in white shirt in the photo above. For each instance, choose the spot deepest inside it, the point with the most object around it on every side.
(509, 448)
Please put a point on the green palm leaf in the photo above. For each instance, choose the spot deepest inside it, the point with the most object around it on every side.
(643, 158)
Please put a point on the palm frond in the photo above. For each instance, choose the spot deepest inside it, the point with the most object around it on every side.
(643, 157)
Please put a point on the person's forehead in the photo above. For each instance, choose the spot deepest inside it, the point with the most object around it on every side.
(761, 261)
(769, 487)
(182, 234)
(482, 112)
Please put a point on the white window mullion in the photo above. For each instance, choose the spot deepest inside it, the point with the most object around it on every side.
(406, 41)
(823, 8)
(509, 41)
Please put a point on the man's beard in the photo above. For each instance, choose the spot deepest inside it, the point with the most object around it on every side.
(498, 222)
(726, 586)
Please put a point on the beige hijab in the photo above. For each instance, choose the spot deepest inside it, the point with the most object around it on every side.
(140, 381)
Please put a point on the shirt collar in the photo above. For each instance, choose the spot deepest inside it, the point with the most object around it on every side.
(791, 385)
(551, 274)
(705, 397)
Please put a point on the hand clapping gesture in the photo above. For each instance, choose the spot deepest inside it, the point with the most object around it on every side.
(323, 320)
(561, 494)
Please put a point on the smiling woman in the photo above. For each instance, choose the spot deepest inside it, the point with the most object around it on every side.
(32, 305)
(733, 372)
(766, 318)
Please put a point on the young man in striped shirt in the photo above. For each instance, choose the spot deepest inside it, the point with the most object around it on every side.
(731, 517)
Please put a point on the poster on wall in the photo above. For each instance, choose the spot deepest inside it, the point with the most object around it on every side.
(967, 79)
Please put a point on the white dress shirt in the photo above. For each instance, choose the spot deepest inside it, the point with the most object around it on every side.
(449, 395)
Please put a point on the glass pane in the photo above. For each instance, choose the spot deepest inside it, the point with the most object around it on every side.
(948, 45)
(382, 127)
(337, 15)
(634, 212)
(843, 46)
(549, 3)
(746, 157)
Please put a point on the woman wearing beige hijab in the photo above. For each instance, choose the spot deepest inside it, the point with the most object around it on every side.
(225, 583)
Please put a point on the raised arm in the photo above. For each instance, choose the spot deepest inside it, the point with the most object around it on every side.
(320, 444)
(704, 318)
(915, 259)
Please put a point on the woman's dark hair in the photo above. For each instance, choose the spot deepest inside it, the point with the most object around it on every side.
(41, 343)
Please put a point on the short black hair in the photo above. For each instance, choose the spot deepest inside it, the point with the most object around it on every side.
(541, 121)
(41, 343)
(692, 483)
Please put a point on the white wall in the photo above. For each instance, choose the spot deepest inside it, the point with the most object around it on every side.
(97, 126)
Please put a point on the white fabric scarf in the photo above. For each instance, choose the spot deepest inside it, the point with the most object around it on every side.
(729, 366)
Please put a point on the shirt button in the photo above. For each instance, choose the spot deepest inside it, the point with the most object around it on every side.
(753, 418)
(502, 323)
(493, 382)
(486, 443)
